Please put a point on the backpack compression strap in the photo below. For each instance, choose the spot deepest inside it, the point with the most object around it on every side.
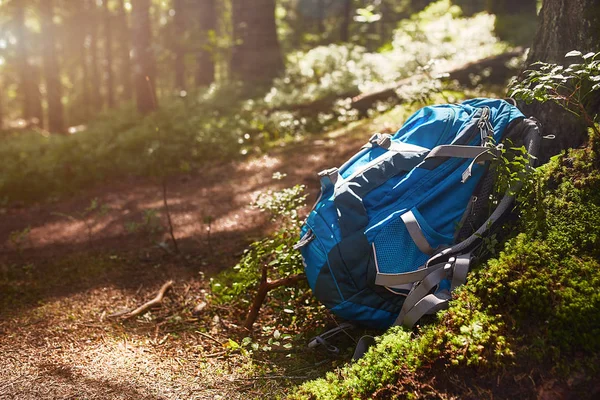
(420, 300)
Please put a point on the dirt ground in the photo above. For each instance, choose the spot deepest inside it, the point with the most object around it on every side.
(62, 274)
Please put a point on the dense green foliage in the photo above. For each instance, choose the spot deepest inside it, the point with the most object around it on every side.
(274, 252)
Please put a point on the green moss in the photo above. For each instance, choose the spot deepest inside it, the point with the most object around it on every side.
(538, 302)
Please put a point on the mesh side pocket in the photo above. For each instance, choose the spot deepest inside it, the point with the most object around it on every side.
(395, 250)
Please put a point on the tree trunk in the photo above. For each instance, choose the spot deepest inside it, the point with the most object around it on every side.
(83, 56)
(110, 85)
(347, 16)
(565, 25)
(1, 105)
(125, 48)
(56, 121)
(256, 57)
(97, 100)
(205, 69)
(32, 101)
(179, 44)
(143, 59)
(514, 20)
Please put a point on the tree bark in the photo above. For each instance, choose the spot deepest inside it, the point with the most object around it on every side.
(83, 56)
(56, 121)
(346, 17)
(1, 105)
(256, 57)
(110, 84)
(205, 68)
(143, 59)
(514, 19)
(179, 44)
(28, 87)
(96, 93)
(564, 25)
(124, 50)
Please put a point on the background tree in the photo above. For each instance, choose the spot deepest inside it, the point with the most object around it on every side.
(179, 43)
(29, 86)
(124, 51)
(553, 40)
(108, 26)
(143, 57)
(96, 82)
(513, 19)
(346, 19)
(256, 54)
(56, 121)
(205, 65)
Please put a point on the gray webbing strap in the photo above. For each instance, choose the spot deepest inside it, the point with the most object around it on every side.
(420, 302)
(416, 233)
(426, 305)
(460, 270)
(391, 280)
(482, 153)
(421, 290)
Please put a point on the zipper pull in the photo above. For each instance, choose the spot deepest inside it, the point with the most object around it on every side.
(485, 127)
(308, 237)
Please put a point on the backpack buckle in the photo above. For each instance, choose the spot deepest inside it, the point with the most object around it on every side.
(381, 140)
(328, 177)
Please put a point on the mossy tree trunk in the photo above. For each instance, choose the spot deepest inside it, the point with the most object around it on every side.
(564, 25)
(256, 57)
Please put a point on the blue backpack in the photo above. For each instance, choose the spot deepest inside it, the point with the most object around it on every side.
(392, 232)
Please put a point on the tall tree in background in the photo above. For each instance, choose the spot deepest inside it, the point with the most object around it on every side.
(56, 121)
(110, 85)
(82, 24)
(28, 86)
(124, 50)
(1, 105)
(205, 68)
(346, 18)
(144, 67)
(256, 56)
(552, 41)
(179, 43)
(514, 19)
(96, 82)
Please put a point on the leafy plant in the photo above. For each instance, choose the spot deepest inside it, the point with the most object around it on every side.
(570, 87)
(271, 262)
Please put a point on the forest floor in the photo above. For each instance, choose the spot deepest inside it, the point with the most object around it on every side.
(64, 270)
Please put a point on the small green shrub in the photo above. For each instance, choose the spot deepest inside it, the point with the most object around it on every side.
(275, 251)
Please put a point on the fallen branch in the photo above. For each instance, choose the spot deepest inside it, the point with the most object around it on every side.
(365, 101)
(264, 288)
(146, 306)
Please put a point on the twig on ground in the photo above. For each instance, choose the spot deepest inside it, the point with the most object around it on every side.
(206, 335)
(264, 288)
(146, 306)
(257, 378)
